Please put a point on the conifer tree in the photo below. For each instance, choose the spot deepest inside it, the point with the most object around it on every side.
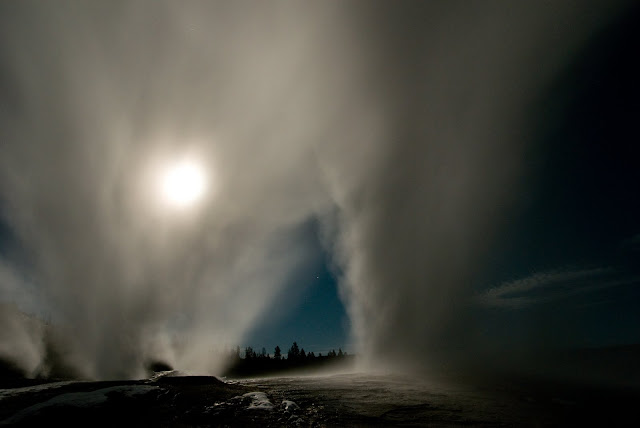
(294, 352)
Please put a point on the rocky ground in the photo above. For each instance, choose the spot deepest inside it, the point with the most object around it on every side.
(352, 400)
(163, 402)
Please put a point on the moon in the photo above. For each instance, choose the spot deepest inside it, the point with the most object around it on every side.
(183, 184)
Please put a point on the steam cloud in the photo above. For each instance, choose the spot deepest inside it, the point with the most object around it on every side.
(401, 127)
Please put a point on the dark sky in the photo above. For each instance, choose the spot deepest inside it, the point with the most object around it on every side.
(581, 213)
(407, 181)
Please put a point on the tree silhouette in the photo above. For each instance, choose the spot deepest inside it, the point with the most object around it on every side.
(250, 362)
(249, 353)
(294, 352)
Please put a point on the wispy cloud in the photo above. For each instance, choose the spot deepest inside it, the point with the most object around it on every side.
(552, 285)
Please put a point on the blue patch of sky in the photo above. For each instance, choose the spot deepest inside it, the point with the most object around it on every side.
(309, 310)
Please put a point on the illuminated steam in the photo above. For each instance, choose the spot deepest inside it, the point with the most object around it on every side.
(401, 127)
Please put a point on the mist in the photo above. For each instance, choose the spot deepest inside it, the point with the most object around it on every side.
(403, 129)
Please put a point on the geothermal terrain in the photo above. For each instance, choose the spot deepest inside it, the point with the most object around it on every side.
(349, 399)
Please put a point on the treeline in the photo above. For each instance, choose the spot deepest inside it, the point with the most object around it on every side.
(252, 363)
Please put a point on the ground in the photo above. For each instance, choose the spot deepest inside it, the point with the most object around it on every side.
(320, 401)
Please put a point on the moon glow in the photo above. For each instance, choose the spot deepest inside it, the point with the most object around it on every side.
(183, 184)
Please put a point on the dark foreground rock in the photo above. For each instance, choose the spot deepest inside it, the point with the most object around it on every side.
(165, 402)
(352, 400)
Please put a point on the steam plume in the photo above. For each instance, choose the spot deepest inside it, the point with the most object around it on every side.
(402, 127)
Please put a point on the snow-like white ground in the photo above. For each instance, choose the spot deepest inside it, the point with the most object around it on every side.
(81, 399)
(258, 400)
(347, 400)
(14, 392)
(167, 373)
(289, 406)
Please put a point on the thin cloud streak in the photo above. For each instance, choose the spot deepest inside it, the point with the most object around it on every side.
(549, 286)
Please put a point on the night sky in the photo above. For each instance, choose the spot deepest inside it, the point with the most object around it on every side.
(578, 222)
(309, 311)
(406, 181)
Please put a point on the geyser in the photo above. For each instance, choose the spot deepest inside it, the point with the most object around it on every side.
(401, 126)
